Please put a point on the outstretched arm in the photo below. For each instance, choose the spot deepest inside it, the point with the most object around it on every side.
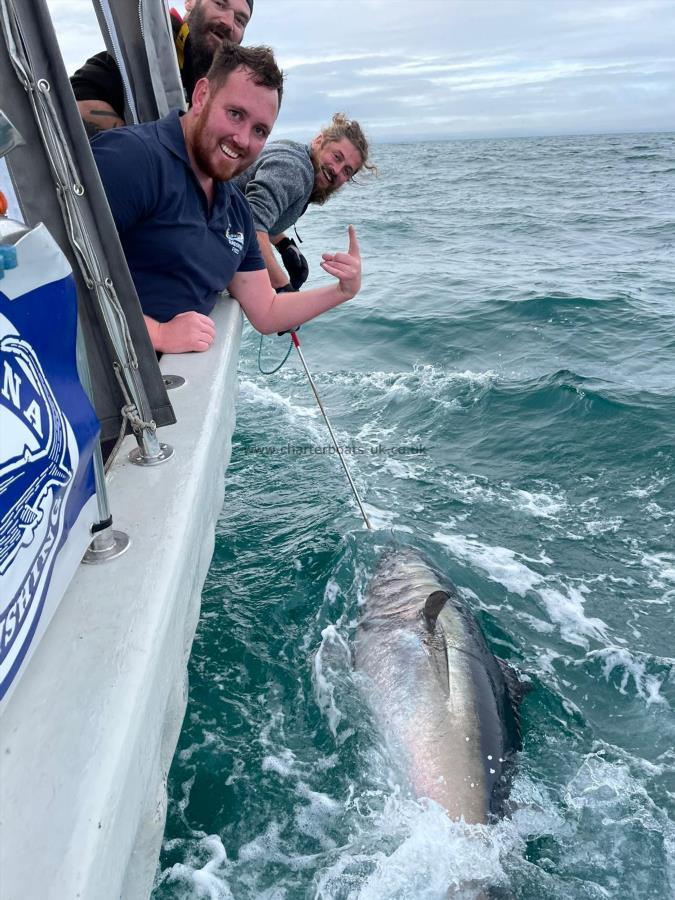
(278, 277)
(269, 312)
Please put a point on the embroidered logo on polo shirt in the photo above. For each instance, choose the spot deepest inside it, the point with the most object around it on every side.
(235, 239)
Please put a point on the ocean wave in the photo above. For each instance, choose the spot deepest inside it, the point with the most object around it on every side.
(539, 504)
(204, 874)
(563, 604)
(638, 157)
(632, 671)
(405, 861)
(661, 569)
(535, 362)
(546, 305)
(541, 500)
(428, 379)
(592, 398)
(260, 395)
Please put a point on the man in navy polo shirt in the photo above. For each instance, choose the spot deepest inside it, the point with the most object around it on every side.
(186, 232)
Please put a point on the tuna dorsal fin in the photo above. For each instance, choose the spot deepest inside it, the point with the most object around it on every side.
(433, 605)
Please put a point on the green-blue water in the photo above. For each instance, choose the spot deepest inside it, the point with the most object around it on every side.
(516, 328)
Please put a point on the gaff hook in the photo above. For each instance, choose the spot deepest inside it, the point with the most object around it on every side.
(296, 344)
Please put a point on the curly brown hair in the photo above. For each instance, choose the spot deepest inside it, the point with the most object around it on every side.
(342, 126)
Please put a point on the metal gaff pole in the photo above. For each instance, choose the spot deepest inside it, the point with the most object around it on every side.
(296, 344)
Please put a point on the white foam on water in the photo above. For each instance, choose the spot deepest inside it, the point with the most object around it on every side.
(634, 667)
(636, 762)
(470, 488)
(534, 815)
(536, 624)
(605, 787)
(545, 660)
(418, 867)
(267, 848)
(539, 504)
(402, 469)
(383, 518)
(210, 739)
(656, 512)
(282, 763)
(331, 591)
(604, 526)
(565, 607)
(499, 563)
(388, 384)
(209, 880)
(427, 856)
(186, 791)
(237, 772)
(374, 432)
(605, 797)
(331, 661)
(642, 491)
(433, 382)
(662, 567)
(275, 726)
(317, 816)
(262, 395)
(566, 610)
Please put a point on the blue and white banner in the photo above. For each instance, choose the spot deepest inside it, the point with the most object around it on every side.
(48, 431)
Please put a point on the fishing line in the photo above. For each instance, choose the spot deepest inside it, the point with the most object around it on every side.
(296, 344)
(283, 361)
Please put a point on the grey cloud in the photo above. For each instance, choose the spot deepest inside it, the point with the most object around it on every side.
(444, 68)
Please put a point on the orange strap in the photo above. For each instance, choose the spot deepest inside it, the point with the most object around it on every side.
(3, 204)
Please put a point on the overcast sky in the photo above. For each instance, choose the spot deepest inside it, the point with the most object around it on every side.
(435, 69)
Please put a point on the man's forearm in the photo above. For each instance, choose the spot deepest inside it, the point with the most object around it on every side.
(186, 332)
(153, 330)
(278, 276)
(268, 311)
(293, 309)
(98, 115)
(281, 312)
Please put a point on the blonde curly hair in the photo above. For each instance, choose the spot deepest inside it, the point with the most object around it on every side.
(342, 126)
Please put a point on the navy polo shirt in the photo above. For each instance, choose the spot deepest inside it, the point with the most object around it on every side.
(180, 254)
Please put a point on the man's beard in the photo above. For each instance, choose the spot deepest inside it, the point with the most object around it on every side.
(204, 158)
(319, 195)
(202, 39)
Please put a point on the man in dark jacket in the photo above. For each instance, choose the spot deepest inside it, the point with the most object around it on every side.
(98, 84)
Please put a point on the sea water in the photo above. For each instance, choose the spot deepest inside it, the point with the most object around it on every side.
(503, 386)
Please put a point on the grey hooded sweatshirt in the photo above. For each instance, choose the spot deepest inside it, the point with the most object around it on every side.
(278, 185)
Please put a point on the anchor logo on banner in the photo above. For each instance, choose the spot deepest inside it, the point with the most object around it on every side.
(37, 460)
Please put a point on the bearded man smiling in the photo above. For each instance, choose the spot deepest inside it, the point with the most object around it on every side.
(186, 231)
(98, 84)
(287, 177)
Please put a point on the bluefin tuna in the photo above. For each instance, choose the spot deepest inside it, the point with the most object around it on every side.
(446, 705)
